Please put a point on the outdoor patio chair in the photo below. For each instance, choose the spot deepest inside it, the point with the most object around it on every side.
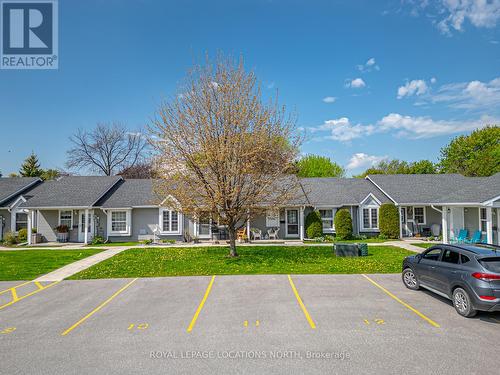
(273, 233)
(461, 238)
(476, 238)
(256, 233)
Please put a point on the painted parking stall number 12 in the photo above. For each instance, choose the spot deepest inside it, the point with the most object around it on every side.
(139, 327)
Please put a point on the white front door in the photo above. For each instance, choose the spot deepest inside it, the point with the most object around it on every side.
(81, 225)
(292, 222)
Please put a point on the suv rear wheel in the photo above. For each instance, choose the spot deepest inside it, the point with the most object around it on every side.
(410, 279)
(462, 303)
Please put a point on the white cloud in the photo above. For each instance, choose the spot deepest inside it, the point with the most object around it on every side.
(433, 80)
(469, 95)
(452, 15)
(411, 127)
(414, 87)
(368, 66)
(270, 85)
(362, 160)
(329, 99)
(356, 83)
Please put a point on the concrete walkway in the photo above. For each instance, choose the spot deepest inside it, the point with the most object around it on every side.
(72, 268)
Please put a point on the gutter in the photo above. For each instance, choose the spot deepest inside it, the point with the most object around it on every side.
(21, 191)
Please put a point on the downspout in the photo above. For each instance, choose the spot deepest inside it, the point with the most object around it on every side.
(437, 209)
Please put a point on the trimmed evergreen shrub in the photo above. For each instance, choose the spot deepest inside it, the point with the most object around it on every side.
(22, 235)
(9, 238)
(389, 220)
(343, 224)
(314, 226)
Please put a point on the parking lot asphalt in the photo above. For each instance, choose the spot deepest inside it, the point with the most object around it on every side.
(258, 324)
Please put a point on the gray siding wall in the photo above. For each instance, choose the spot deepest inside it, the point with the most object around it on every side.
(432, 216)
(144, 221)
(471, 219)
(47, 221)
(4, 222)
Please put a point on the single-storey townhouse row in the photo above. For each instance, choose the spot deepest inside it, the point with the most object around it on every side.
(121, 209)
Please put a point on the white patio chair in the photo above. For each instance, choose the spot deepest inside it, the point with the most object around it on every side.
(256, 233)
(273, 233)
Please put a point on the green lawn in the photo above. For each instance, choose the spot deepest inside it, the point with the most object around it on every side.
(134, 243)
(176, 261)
(423, 245)
(29, 264)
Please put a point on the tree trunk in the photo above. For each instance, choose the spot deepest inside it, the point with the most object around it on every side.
(232, 241)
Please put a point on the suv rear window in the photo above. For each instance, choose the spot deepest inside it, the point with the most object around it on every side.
(491, 264)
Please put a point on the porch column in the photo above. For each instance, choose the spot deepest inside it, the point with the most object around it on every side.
(248, 227)
(30, 225)
(400, 222)
(301, 221)
(444, 224)
(86, 227)
(489, 225)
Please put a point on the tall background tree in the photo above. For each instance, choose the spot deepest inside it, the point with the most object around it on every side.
(222, 150)
(106, 149)
(318, 166)
(402, 167)
(31, 167)
(476, 154)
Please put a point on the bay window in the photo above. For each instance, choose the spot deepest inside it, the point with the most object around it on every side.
(370, 218)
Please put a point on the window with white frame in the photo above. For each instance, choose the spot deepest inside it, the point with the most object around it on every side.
(66, 218)
(419, 215)
(370, 218)
(482, 220)
(21, 221)
(119, 221)
(170, 221)
(327, 220)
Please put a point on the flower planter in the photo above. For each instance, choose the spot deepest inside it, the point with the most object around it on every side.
(62, 237)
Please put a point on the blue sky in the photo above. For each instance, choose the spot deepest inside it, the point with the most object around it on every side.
(368, 79)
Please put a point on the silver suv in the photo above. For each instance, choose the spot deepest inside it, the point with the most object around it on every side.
(469, 275)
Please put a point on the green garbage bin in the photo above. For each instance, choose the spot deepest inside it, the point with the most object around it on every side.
(363, 249)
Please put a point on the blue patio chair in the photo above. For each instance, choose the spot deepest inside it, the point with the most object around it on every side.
(476, 238)
(461, 238)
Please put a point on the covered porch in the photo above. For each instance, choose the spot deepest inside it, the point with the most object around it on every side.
(471, 224)
(276, 224)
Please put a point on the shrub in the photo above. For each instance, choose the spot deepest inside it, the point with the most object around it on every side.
(171, 242)
(146, 242)
(314, 226)
(9, 238)
(22, 235)
(343, 224)
(97, 240)
(62, 228)
(389, 220)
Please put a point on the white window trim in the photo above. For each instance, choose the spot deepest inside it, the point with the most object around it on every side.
(481, 220)
(334, 211)
(160, 222)
(13, 221)
(425, 215)
(362, 222)
(59, 218)
(127, 231)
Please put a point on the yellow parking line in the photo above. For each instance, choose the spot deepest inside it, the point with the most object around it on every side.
(40, 286)
(428, 320)
(14, 287)
(97, 308)
(14, 294)
(198, 310)
(27, 295)
(302, 306)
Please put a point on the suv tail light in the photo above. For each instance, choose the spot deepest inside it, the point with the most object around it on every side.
(488, 298)
(485, 276)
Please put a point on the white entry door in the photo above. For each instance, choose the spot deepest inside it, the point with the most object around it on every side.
(292, 222)
(205, 226)
(81, 226)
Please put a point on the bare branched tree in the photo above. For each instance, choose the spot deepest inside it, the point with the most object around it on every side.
(221, 149)
(106, 149)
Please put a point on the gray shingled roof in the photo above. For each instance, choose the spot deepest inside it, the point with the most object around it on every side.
(12, 187)
(70, 191)
(438, 188)
(333, 192)
(130, 193)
